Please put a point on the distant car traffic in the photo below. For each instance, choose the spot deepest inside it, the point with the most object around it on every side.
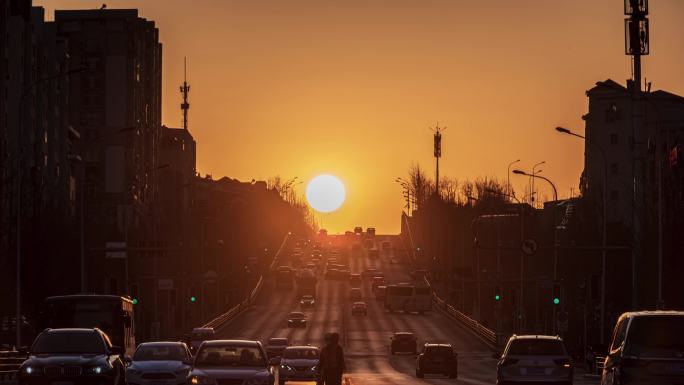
(368, 243)
(276, 345)
(231, 362)
(359, 307)
(647, 348)
(157, 361)
(437, 359)
(377, 281)
(355, 278)
(296, 319)
(299, 363)
(370, 231)
(380, 292)
(534, 358)
(61, 356)
(358, 230)
(370, 273)
(199, 335)
(403, 342)
(386, 246)
(307, 301)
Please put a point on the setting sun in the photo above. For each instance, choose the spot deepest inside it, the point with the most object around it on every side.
(325, 193)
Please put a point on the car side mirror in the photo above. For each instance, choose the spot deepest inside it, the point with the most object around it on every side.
(275, 361)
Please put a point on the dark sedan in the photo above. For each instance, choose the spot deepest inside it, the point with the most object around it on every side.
(73, 357)
(404, 342)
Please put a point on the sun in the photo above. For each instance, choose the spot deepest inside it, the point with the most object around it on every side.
(325, 193)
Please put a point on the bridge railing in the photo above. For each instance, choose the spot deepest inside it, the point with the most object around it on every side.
(9, 365)
(487, 335)
(236, 310)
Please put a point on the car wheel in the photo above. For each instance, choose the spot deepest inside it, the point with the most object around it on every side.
(419, 374)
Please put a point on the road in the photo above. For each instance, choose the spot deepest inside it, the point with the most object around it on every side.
(365, 338)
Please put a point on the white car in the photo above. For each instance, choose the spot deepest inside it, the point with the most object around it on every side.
(231, 362)
(156, 362)
(299, 363)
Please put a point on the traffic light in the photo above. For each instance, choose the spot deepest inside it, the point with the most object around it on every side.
(135, 301)
(497, 293)
(556, 296)
(193, 299)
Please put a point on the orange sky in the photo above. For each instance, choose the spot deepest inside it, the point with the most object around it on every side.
(302, 87)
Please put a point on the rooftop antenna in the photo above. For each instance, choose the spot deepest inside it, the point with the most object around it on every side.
(184, 89)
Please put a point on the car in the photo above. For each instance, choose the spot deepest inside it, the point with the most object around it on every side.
(380, 292)
(199, 335)
(403, 342)
(276, 345)
(310, 266)
(373, 254)
(61, 356)
(296, 319)
(355, 279)
(229, 362)
(344, 274)
(647, 348)
(359, 307)
(155, 361)
(370, 273)
(437, 359)
(534, 358)
(299, 363)
(307, 301)
(370, 231)
(332, 273)
(355, 294)
(377, 281)
(358, 230)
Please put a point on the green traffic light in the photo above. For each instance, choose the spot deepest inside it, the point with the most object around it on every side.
(556, 301)
(497, 297)
(193, 299)
(135, 301)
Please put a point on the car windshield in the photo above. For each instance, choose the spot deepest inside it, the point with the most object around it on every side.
(277, 341)
(536, 347)
(230, 356)
(301, 353)
(655, 335)
(438, 351)
(160, 353)
(85, 342)
(296, 315)
(307, 298)
(404, 336)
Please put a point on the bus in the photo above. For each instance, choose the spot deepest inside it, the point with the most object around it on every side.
(408, 298)
(110, 313)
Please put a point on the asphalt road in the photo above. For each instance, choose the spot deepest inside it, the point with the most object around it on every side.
(365, 339)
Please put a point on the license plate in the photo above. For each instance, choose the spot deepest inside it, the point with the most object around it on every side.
(536, 371)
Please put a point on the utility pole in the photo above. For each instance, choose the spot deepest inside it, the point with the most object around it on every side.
(636, 45)
(185, 89)
(438, 153)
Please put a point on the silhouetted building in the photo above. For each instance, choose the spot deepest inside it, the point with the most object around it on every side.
(116, 106)
(609, 127)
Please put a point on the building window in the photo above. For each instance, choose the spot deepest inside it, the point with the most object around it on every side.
(614, 139)
(612, 113)
(613, 168)
(614, 195)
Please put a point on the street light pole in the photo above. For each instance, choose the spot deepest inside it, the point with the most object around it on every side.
(508, 175)
(534, 172)
(604, 233)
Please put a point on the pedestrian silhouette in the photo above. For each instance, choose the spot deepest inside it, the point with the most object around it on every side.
(331, 366)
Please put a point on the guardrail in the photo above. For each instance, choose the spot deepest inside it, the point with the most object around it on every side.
(487, 335)
(224, 318)
(9, 364)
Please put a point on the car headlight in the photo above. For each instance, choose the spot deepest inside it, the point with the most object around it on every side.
(96, 370)
(200, 380)
(286, 367)
(31, 370)
(257, 381)
(314, 368)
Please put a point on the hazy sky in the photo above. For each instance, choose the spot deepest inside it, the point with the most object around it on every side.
(350, 87)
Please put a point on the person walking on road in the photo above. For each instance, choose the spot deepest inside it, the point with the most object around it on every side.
(331, 365)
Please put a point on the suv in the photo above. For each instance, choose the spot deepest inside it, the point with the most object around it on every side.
(647, 348)
(299, 363)
(437, 359)
(232, 362)
(73, 356)
(405, 342)
(534, 358)
(276, 345)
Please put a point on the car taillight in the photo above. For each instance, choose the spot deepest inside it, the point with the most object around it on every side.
(509, 361)
(563, 362)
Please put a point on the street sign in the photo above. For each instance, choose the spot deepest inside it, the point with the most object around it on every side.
(529, 246)
(115, 250)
